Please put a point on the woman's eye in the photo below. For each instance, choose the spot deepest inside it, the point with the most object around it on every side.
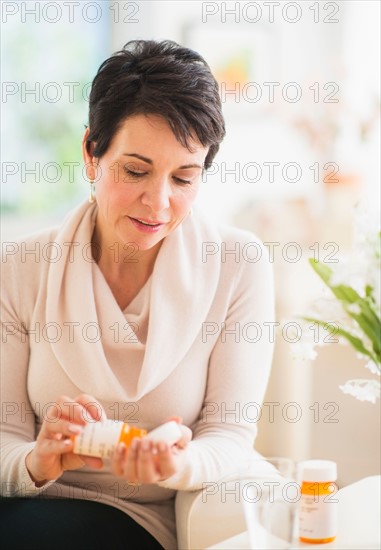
(137, 174)
(133, 173)
(180, 180)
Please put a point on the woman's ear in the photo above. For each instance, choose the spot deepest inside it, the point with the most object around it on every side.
(90, 161)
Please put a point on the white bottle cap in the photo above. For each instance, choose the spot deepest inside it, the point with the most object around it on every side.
(168, 432)
(318, 470)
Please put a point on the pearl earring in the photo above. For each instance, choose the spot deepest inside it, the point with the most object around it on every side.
(92, 193)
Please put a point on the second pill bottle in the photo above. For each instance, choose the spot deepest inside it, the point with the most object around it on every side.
(318, 503)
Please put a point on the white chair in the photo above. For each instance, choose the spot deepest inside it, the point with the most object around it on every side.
(203, 519)
(215, 513)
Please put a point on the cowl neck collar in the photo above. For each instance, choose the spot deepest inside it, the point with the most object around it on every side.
(182, 290)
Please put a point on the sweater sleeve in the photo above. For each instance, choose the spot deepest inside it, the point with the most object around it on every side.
(17, 423)
(238, 373)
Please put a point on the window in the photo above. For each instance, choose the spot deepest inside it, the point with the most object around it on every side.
(51, 51)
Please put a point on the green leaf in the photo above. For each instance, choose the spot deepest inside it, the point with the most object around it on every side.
(371, 328)
(321, 269)
(368, 292)
(353, 340)
(367, 320)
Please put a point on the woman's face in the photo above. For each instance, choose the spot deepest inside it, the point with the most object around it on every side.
(145, 183)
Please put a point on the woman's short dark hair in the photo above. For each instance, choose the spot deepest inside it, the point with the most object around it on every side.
(161, 78)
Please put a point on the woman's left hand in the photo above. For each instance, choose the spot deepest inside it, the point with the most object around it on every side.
(145, 461)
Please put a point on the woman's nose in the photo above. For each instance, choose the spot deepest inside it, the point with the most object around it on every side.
(157, 195)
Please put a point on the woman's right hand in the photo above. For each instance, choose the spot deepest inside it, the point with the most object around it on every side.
(52, 454)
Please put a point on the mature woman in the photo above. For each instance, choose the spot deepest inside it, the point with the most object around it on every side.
(136, 310)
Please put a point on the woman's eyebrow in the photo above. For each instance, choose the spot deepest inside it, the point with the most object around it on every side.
(145, 159)
(150, 161)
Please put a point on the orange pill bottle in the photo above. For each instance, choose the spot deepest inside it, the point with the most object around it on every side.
(100, 438)
(318, 502)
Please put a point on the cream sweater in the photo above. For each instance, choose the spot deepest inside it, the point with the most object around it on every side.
(192, 343)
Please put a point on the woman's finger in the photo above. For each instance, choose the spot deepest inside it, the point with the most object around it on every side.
(58, 409)
(64, 408)
(93, 410)
(186, 438)
(187, 432)
(118, 460)
(58, 430)
(130, 462)
(92, 461)
(55, 447)
(146, 462)
(177, 419)
(165, 462)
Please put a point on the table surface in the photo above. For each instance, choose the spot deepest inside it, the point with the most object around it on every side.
(242, 542)
(358, 521)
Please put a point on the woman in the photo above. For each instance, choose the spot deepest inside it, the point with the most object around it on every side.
(134, 310)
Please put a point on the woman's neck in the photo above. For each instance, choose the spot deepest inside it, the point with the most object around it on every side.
(125, 269)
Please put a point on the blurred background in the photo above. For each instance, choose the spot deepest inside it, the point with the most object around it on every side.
(300, 86)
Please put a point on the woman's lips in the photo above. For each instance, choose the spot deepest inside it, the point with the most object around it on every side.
(146, 226)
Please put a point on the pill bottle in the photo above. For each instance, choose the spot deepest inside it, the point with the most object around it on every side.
(318, 502)
(100, 438)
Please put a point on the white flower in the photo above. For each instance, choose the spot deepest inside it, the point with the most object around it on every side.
(362, 267)
(374, 369)
(341, 316)
(361, 355)
(367, 248)
(304, 351)
(303, 339)
(363, 390)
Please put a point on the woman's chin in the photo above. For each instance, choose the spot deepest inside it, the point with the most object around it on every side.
(134, 244)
